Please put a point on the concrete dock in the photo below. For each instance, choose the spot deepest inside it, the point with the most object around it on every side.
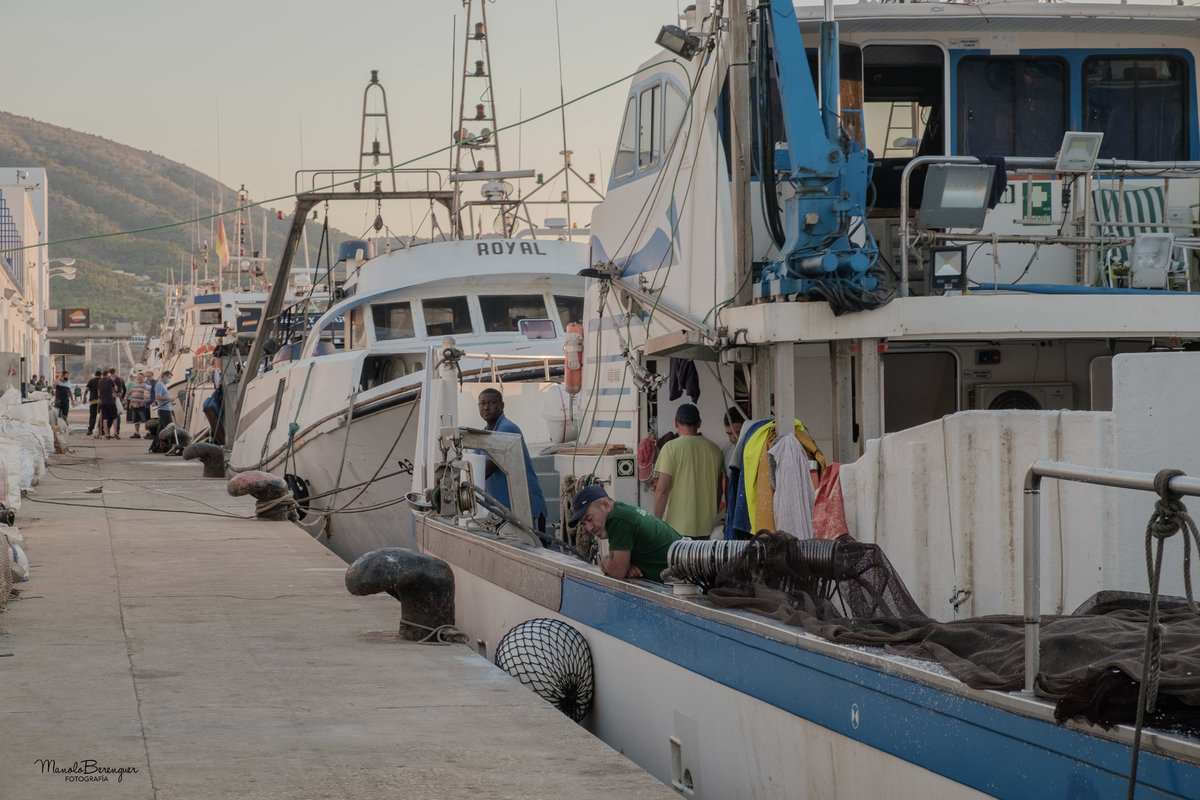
(170, 646)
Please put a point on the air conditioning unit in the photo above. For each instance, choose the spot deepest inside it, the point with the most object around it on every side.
(1024, 396)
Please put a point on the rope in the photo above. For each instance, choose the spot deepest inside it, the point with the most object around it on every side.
(1169, 517)
(441, 635)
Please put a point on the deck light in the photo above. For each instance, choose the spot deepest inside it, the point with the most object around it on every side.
(1151, 259)
(678, 41)
(948, 269)
(955, 196)
(1079, 151)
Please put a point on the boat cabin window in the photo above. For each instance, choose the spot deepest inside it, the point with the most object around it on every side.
(1011, 106)
(210, 316)
(903, 105)
(393, 321)
(356, 330)
(648, 131)
(624, 163)
(653, 110)
(446, 316)
(570, 309)
(503, 312)
(1140, 103)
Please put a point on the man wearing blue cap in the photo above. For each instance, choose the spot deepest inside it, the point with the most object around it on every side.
(637, 541)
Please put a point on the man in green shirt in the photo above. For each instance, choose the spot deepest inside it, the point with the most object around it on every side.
(690, 467)
(637, 542)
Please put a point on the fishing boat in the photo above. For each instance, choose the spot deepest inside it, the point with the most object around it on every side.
(334, 408)
(211, 320)
(956, 241)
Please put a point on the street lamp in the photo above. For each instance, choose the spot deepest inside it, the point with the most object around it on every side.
(62, 272)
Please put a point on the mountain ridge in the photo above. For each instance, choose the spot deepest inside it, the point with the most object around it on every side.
(98, 186)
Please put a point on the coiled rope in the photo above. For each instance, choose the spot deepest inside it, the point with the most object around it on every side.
(1169, 517)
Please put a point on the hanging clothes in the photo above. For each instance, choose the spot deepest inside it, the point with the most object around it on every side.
(684, 379)
(829, 510)
(794, 493)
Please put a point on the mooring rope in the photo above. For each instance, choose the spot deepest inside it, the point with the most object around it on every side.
(1169, 517)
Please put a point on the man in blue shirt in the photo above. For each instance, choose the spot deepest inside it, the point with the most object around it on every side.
(491, 408)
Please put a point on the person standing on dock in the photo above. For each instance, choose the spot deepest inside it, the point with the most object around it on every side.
(637, 542)
(689, 470)
(139, 404)
(119, 391)
(491, 408)
(106, 389)
(91, 397)
(160, 400)
(63, 400)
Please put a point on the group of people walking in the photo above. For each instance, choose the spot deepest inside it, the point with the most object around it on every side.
(108, 397)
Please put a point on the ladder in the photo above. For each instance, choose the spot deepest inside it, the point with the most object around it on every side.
(375, 152)
(911, 128)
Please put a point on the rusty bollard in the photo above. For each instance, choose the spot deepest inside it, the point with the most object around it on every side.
(274, 498)
(424, 585)
(210, 455)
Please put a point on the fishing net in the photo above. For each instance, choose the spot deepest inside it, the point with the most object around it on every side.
(554, 660)
(1091, 660)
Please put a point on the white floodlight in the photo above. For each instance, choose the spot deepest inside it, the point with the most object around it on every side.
(1079, 151)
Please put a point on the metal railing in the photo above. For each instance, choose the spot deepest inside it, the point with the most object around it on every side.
(1120, 479)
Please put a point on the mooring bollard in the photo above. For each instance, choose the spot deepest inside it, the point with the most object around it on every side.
(210, 455)
(424, 585)
(274, 498)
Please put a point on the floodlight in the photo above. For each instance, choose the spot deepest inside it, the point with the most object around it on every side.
(678, 41)
(1079, 151)
(1151, 258)
(948, 269)
(955, 196)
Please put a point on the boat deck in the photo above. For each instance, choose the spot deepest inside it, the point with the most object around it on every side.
(170, 644)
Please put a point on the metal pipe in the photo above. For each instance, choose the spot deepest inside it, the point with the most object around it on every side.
(1031, 540)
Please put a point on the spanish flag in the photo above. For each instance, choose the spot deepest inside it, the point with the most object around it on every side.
(222, 244)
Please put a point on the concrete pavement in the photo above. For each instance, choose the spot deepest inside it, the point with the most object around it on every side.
(167, 646)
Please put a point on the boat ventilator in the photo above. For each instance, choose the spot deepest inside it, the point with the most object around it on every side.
(554, 660)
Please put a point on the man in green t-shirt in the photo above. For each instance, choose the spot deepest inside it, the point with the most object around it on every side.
(637, 542)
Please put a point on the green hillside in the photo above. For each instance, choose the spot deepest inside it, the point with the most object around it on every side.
(99, 187)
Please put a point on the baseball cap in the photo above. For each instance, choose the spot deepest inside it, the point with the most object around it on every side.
(584, 498)
(687, 414)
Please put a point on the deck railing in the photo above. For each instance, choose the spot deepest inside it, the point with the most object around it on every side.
(1120, 479)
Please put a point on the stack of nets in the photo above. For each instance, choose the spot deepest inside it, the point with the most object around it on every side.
(6, 578)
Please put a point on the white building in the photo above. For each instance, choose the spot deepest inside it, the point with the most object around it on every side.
(24, 264)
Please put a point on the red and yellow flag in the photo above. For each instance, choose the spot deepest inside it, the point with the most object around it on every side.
(222, 243)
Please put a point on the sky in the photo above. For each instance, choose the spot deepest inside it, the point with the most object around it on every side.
(250, 91)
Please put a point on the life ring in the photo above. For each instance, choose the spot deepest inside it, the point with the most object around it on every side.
(573, 352)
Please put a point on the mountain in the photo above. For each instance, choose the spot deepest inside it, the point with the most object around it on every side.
(101, 187)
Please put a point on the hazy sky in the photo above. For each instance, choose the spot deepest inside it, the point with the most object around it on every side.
(249, 91)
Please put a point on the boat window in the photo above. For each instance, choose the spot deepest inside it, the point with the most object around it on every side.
(570, 309)
(675, 111)
(446, 316)
(903, 101)
(623, 164)
(393, 321)
(357, 334)
(210, 316)
(649, 136)
(504, 312)
(1011, 106)
(1140, 103)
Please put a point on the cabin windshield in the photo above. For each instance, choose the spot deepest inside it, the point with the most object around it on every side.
(1011, 106)
(502, 313)
(447, 316)
(1140, 103)
(393, 321)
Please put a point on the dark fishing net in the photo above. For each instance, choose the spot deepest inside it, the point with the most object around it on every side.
(554, 660)
(1090, 661)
